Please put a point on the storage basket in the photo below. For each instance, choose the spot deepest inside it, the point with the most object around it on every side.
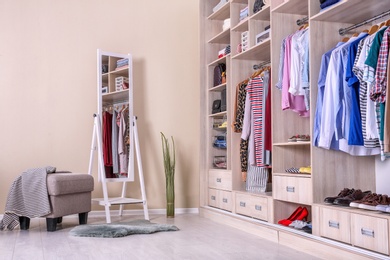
(257, 179)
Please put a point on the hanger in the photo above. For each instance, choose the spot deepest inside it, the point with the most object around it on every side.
(382, 24)
(345, 39)
(303, 26)
(387, 23)
(373, 29)
(355, 34)
(366, 31)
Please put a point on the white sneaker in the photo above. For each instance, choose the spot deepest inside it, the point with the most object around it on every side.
(298, 224)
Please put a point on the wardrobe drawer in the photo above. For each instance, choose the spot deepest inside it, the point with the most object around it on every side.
(335, 224)
(252, 206)
(292, 189)
(212, 198)
(225, 200)
(370, 232)
(219, 179)
(259, 207)
(243, 204)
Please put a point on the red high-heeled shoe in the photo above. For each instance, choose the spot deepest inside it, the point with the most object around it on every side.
(303, 214)
(290, 219)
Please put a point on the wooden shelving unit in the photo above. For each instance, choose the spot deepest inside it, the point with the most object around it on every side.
(331, 170)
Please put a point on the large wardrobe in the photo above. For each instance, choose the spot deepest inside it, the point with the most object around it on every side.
(249, 37)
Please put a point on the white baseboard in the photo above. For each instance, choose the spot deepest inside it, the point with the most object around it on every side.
(135, 212)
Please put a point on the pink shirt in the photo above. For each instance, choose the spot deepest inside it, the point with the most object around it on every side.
(295, 103)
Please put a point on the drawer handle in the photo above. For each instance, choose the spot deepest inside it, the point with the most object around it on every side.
(224, 200)
(219, 180)
(258, 207)
(334, 224)
(367, 232)
(290, 189)
(212, 197)
(242, 204)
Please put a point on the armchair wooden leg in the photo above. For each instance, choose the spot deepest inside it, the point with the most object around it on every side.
(51, 224)
(24, 223)
(83, 218)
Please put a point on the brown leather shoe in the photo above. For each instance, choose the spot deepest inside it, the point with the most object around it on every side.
(342, 193)
(374, 202)
(356, 195)
(368, 197)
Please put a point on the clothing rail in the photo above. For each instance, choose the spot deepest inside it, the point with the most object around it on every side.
(342, 31)
(109, 106)
(258, 66)
(302, 21)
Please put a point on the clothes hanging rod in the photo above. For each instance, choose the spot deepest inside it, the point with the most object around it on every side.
(258, 66)
(118, 103)
(302, 21)
(342, 31)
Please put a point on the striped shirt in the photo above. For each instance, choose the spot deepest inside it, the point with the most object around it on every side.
(378, 92)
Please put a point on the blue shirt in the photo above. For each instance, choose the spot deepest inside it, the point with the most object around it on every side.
(355, 135)
(320, 96)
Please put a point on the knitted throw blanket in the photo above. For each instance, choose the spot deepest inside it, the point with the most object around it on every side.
(27, 197)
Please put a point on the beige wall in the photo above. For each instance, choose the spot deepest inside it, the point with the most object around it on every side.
(48, 86)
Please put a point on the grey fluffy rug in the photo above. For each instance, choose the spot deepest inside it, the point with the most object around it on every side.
(140, 226)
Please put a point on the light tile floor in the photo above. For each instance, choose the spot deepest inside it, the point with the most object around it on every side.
(198, 238)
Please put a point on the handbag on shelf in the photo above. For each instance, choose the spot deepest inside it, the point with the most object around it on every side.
(258, 5)
(219, 73)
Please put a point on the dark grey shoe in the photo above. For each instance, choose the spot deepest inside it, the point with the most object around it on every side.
(342, 193)
(356, 195)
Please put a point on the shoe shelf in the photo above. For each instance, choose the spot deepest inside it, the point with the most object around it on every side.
(348, 11)
(260, 52)
(223, 37)
(242, 26)
(306, 143)
(218, 88)
(221, 14)
(290, 7)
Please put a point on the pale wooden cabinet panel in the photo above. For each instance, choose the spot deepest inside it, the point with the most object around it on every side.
(370, 232)
(259, 208)
(225, 200)
(335, 224)
(220, 199)
(212, 198)
(252, 206)
(243, 204)
(293, 189)
(220, 180)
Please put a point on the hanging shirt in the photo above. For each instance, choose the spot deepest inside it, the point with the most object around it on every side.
(299, 74)
(255, 90)
(355, 135)
(267, 118)
(114, 143)
(247, 130)
(296, 64)
(122, 148)
(295, 103)
(240, 107)
(281, 64)
(107, 132)
(337, 104)
(386, 131)
(378, 92)
(358, 70)
(320, 96)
